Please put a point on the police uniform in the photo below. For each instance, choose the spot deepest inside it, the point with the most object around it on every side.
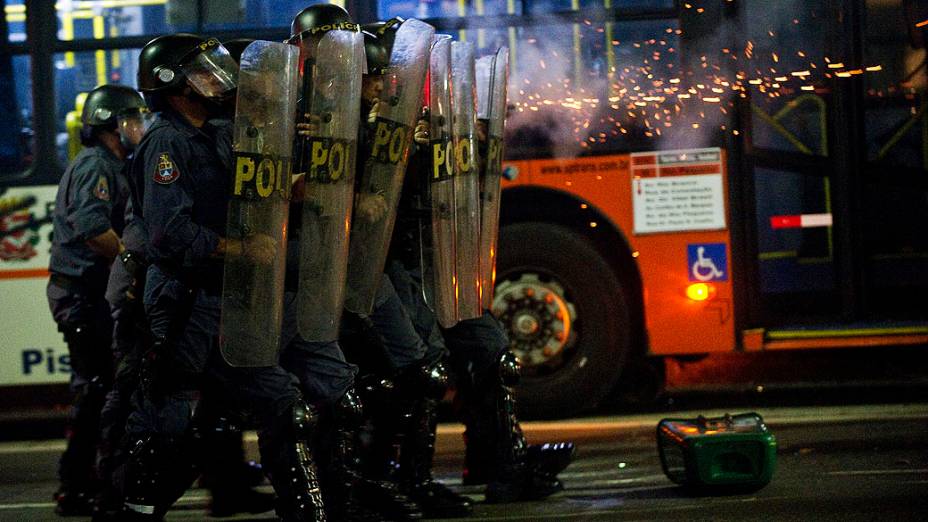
(181, 179)
(482, 368)
(87, 194)
(129, 336)
(402, 414)
(324, 373)
(224, 471)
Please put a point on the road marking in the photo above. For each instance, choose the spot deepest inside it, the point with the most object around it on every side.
(623, 513)
(878, 472)
(27, 505)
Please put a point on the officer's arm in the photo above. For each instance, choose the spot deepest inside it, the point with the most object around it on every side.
(169, 195)
(91, 207)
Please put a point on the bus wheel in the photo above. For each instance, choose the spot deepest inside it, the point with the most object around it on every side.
(566, 316)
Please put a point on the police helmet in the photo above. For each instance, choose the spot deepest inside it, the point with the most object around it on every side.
(170, 61)
(378, 44)
(107, 102)
(320, 18)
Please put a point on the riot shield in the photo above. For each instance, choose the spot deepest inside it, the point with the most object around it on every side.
(385, 166)
(253, 276)
(492, 77)
(331, 103)
(436, 232)
(466, 181)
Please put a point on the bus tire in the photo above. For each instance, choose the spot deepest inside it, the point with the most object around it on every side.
(563, 375)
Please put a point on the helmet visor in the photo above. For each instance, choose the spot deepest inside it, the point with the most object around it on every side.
(132, 125)
(213, 72)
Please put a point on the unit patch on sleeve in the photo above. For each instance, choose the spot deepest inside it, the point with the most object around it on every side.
(166, 172)
(102, 190)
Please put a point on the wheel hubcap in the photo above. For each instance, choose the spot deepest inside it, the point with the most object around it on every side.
(538, 317)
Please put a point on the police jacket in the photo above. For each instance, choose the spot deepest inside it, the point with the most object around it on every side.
(180, 182)
(89, 195)
(404, 244)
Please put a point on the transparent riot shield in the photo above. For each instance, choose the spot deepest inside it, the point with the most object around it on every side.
(492, 77)
(436, 232)
(466, 181)
(253, 277)
(332, 97)
(382, 179)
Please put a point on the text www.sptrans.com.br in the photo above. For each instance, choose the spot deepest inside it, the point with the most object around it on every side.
(585, 166)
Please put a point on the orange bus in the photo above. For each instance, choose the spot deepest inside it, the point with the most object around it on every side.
(772, 196)
(686, 176)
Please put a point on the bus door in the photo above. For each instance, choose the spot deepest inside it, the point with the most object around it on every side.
(838, 175)
(892, 243)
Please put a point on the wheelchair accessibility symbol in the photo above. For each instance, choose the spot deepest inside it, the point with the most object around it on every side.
(707, 262)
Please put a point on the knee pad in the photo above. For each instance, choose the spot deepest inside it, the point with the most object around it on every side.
(435, 380)
(429, 380)
(509, 369)
(304, 419)
(349, 410)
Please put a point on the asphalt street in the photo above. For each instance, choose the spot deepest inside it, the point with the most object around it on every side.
(847, 463)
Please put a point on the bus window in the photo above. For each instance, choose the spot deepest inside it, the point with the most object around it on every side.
(580, 89)
(788, 64)
(894, 190)
(253, 14)
(16, 20)
(16, 134)
(79, 72)
(77, 21)
(424, 8)
(896, 127)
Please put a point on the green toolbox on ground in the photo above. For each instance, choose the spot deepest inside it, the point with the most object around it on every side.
(731, 453)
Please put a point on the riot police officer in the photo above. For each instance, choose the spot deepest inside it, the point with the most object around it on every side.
(402, 414)
(331, 57)
(180, 187)
(482, 367)
(84, 243)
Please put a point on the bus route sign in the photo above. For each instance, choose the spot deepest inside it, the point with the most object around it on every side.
(678, 191)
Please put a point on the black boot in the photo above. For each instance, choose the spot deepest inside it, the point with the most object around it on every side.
(416, 456)
(156, 473)
(549, 458)
(108, 501)
(386, 416)
(339, 465)
(225, 473)
(424, 387)
(514, 479)
(286, 451)
(512, 476)
(76, 469)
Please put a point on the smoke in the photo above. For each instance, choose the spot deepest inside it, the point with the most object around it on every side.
(552, 106)
(668, 84)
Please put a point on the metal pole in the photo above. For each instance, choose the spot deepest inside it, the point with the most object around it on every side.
(41, 33)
